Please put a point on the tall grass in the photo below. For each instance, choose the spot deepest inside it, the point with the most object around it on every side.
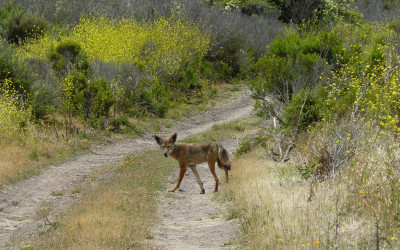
(280, 208)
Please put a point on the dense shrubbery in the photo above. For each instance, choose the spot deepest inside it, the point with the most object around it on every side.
(15, 68)
(304, 109)
(320, 12)
(293, 64)
(18, 25)
(170, 51)
(68, 57)
(160, 47)
(89, 100)
(246, 33)
(367, 84)
(351, 63)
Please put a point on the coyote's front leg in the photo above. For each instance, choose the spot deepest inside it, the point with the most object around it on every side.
(182, 172)
(196, 174)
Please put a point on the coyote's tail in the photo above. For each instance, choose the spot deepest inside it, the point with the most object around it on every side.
(223, 161)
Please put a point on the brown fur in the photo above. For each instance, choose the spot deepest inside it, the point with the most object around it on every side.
(192, 154)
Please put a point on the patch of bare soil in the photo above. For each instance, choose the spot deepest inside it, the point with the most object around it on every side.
(190, 220)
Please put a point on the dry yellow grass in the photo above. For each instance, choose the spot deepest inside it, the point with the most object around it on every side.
(21, 160)
(272, 201)
(116, 213)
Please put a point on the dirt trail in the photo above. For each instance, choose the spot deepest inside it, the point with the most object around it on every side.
(191, 220)
(186, 211)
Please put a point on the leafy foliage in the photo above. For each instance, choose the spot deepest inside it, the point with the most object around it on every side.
(99, 99)
(67, 57)
(89, 100)
(18, 25)
(367, 85)
(292, 64)
(15, 68)
(304, 110)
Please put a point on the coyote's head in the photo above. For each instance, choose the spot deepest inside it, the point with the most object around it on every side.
(167, 146)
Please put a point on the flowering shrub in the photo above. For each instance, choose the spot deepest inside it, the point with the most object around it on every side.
(367, 85)
(161, 47)
(168, 50)
(14, 115)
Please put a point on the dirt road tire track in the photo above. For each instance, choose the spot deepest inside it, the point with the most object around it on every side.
(19, 202)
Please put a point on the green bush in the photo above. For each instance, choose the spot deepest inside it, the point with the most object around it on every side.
(244, 147)
(272, 70)
(15, 68)
(216, 71)
(73, 94)
(98, 99)
(290, 65)
(224, 55)
(303, 110)
(316, 14)
(298, 11)
(117, 123)
(67, 57)
(89, 100)
(18, 25)
(185, 78)
(148, 96)
(43, 99)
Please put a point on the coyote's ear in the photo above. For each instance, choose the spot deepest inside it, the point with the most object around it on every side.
(158, 139)
(173, 138)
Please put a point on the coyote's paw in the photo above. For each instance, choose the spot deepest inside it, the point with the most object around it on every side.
(203, 191)
(170, 190)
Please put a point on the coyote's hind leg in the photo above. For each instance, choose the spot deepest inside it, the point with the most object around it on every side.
(211, 165)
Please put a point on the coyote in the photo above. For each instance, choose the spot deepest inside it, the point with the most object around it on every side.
(192, 154)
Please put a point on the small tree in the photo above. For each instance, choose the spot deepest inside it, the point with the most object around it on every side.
(67, 57)
(89, 100)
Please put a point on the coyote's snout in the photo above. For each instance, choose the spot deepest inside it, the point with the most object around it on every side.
(192, 154)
